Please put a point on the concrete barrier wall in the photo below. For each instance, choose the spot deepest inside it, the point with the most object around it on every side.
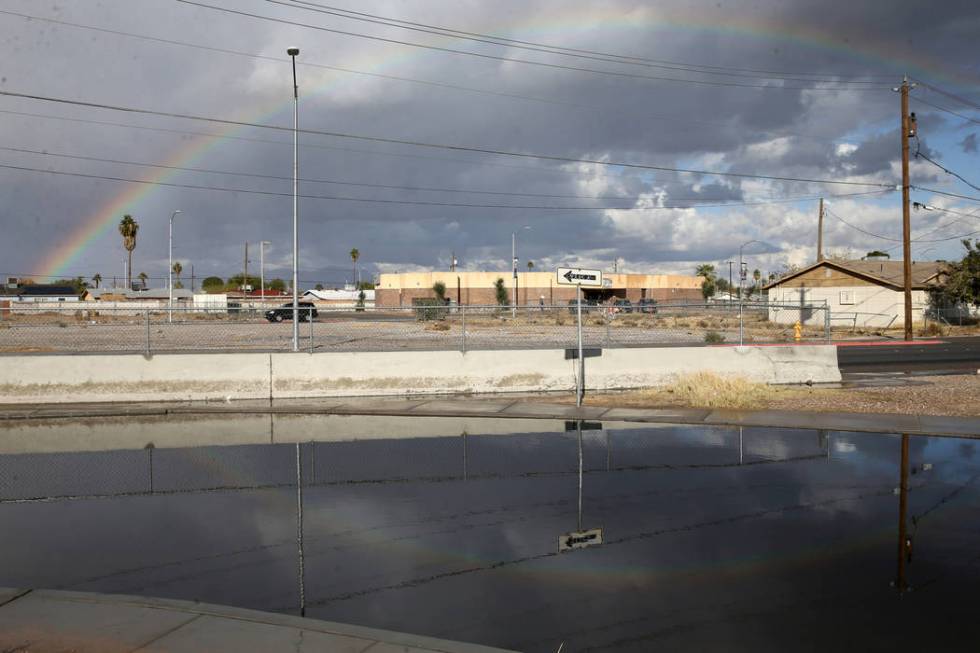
(170, 377)
(183, 377)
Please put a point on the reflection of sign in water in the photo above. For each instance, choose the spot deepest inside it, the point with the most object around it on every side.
(579, 540)
(578, 276)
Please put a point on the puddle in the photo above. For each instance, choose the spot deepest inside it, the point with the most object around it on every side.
(523, 534)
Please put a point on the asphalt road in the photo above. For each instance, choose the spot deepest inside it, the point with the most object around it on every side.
(950, 354)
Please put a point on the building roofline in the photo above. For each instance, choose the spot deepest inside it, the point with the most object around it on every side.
(858, 273)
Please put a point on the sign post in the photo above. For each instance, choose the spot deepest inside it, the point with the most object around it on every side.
(579, 539)
(579, 277)
(580, 382)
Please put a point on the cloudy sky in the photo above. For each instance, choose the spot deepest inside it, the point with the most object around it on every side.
(768, 88)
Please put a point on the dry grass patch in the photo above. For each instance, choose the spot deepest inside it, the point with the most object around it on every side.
(708, 390)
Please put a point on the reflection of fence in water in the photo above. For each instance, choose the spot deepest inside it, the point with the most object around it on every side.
(152, 471)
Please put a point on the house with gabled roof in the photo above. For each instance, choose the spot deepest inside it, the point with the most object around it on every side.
(868, 293)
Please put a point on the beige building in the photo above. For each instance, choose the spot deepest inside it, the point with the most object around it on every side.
(858, 293)
(532, 288)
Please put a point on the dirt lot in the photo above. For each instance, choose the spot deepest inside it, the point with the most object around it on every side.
(374, 331)
(932, 395)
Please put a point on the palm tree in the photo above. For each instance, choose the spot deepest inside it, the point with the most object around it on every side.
(143, 277)
(128, 229)
(705, 270)
(354, 255)
(97, 279)
(178, 268)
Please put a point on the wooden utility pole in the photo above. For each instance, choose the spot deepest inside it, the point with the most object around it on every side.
(245, 278)
(907, 132)
(820, 233)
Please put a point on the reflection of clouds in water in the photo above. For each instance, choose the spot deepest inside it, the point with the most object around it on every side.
(842, 446)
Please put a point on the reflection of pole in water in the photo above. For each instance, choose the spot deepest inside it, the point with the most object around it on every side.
(903, 494)
(580, 476)
(823, 441)
(299, 529)
(740, 450)
(608, 452)
(312, 463)
(149, 451)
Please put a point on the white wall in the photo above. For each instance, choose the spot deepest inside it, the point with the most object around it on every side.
(182, 377)
(868, 306)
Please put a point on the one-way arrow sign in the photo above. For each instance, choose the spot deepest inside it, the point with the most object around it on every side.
(578, 276)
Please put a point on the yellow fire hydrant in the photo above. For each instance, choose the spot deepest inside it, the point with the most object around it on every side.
(797, 331)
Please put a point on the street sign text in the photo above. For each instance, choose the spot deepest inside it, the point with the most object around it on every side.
(579, 277)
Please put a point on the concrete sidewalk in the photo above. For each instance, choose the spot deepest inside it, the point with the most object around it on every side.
(48, 621)
(522, 408)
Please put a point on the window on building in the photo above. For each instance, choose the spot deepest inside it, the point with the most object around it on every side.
(846, 297)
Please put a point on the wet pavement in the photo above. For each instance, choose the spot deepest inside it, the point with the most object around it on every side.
(519, 406)
(709, 537)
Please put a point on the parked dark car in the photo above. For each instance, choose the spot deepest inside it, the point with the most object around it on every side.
(587, 305)
(285, 312)
(647, 306)
(622, 306)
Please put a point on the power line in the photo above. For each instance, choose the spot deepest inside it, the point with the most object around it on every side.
(410, 188)
(952, 96)
(947, 194)
(857, 228)
(446, 85)
(894, 240)
(942, 108)
(932, 231)
(273, 142)
(538, 47)
(513, 59)
(458, 148)
(387, 201)
(929, 207)
(348, 13)
(920, 155)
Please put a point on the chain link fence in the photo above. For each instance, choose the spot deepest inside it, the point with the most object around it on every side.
(88, 328)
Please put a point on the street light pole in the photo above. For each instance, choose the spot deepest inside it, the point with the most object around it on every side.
(513, 264)
(262, 245)
(292, 52)
(170, 270)
(741, 283)
(730, 284)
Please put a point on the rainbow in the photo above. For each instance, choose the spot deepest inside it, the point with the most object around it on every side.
(93, 227)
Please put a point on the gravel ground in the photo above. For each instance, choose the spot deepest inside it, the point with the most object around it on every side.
(329, 334)
(926, 395)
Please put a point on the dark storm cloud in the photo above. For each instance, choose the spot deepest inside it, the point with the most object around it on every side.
(820, 134)
(969, 143)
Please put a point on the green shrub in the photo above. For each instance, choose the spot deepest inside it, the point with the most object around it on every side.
(428, 308)
(439, 288)
(501, 292)
(713, 338)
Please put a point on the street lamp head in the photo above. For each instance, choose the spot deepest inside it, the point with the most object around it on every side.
(292, 52)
